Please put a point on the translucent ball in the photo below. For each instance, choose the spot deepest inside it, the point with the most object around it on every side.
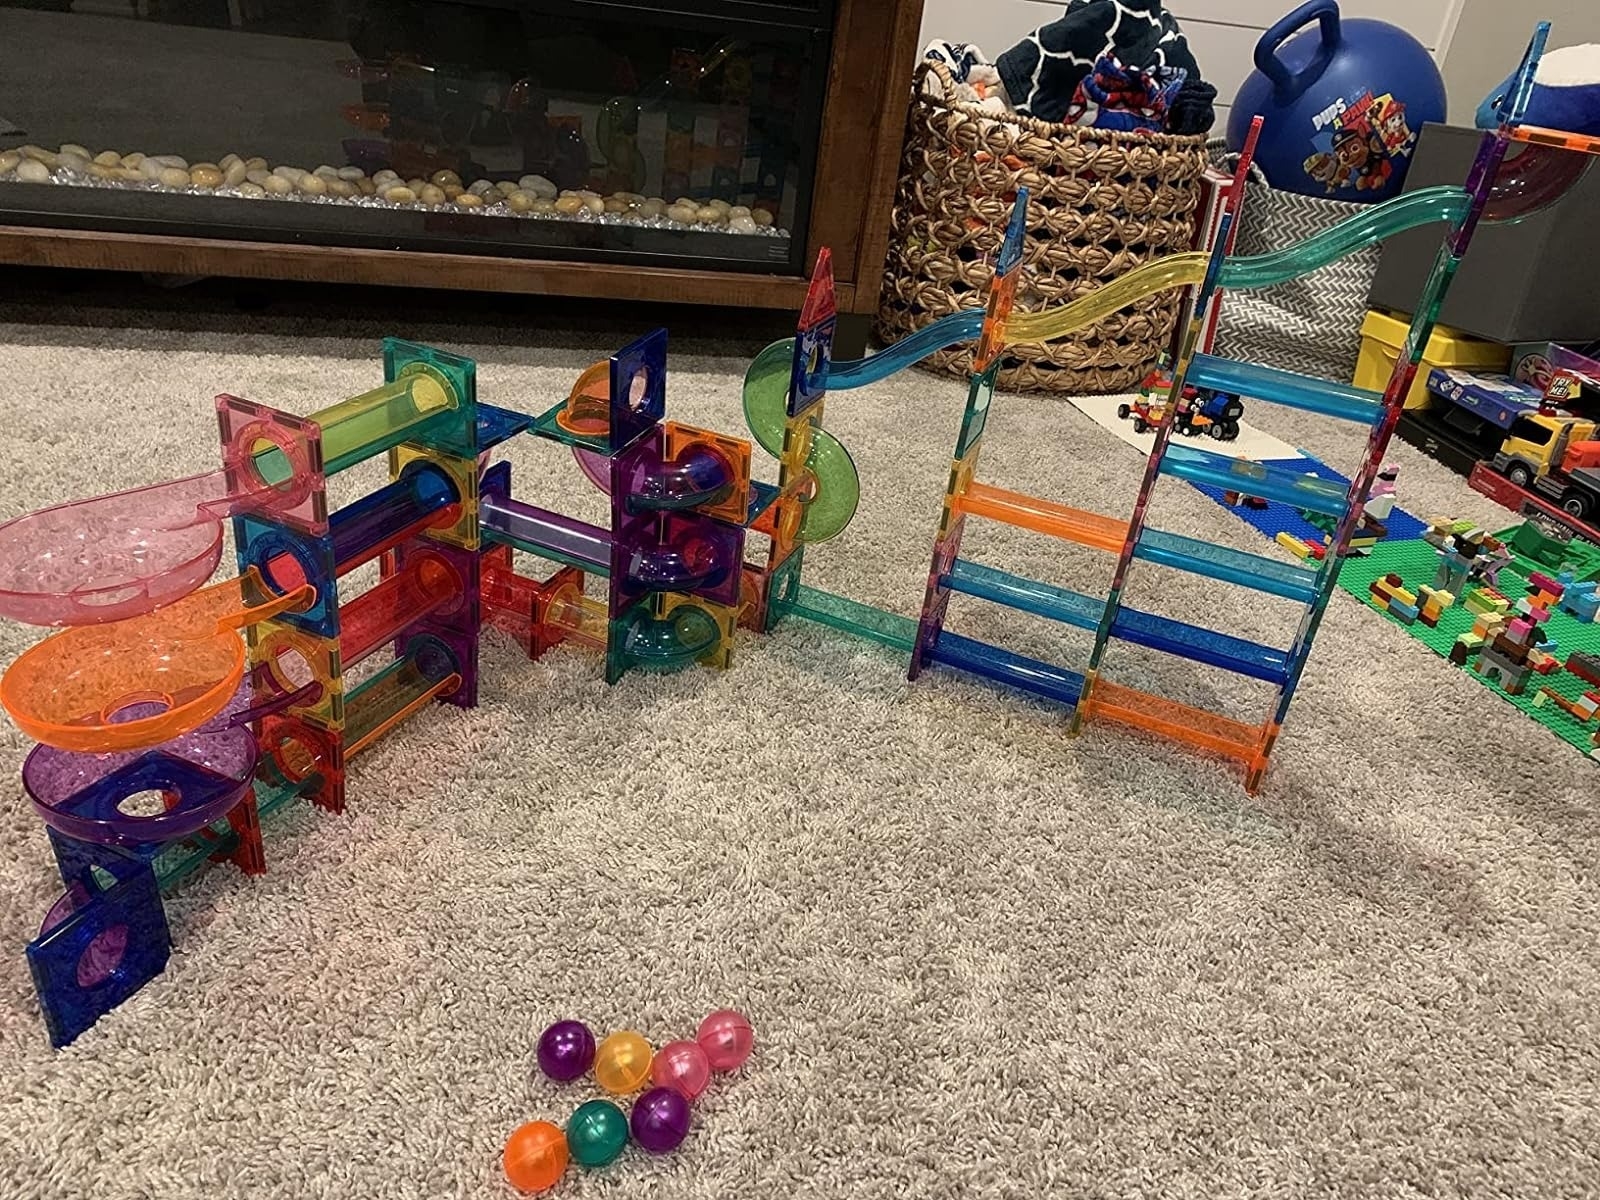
(535, 1156)
(683, 1067)
(597, 1133)
(660, 1120)
(566, 1050)
(727, 1039)
(622, 1064)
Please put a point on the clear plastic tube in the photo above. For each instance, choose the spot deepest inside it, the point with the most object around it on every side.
(364, 425)
(1176, 270)
(426, 584)
(1367, 228)
(550, 534)
(946, 331)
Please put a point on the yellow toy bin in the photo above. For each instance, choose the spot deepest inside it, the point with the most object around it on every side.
(1383, 333)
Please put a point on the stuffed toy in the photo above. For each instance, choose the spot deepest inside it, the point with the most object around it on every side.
(1041, 74)
(1566, 93)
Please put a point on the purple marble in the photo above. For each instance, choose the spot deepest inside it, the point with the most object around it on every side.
(566, 1050)
(660, 1120)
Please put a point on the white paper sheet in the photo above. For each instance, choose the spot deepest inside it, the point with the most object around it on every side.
(1251, 443)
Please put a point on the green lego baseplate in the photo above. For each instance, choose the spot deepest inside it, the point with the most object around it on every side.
(1416, 561)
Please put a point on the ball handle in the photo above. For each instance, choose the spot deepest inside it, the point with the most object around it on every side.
(1326, 13)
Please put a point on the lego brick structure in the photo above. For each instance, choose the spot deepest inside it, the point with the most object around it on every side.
(1558, 690)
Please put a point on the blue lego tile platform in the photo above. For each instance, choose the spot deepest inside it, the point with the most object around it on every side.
(1281, 518)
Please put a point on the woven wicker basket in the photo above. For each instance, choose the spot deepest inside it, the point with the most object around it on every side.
(1100, 204)
(1311, 324)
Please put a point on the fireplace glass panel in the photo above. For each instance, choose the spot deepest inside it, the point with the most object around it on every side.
(565, 129)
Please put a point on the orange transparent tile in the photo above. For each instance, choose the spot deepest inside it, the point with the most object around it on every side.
(1181, 723)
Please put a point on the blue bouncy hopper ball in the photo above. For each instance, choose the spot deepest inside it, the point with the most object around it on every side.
(1341, 104)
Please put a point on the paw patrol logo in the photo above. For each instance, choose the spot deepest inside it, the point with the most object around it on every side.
(1357, 142)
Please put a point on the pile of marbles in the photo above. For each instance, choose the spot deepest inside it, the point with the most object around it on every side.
(254, 179)
(537, 1154)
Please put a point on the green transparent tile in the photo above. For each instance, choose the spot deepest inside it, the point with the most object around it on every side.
(851, 616)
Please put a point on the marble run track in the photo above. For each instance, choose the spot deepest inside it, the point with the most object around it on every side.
(1499, 188)
(224, 702)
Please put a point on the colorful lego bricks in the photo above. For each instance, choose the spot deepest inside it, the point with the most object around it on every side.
(1306, 534)
(1515, 636)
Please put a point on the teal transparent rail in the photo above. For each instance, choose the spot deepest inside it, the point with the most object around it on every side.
(1366, 228)
(1029, 595)
(851, 616)
(946, 331)
(1252, 479)
(1286, 387)
(1275, 576)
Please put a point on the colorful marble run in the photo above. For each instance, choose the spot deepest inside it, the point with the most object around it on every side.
(1498, 188)
(172, 714)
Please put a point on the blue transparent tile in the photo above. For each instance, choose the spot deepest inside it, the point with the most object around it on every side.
(1200, 645)
(496, 425)
(1029, 595)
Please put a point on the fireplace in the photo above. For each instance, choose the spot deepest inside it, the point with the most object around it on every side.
(692, 150)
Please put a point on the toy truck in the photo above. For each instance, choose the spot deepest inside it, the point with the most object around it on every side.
(1215, 413)
(1526, 437)
(1556, 457)
(1146, 413)
(1203, 411)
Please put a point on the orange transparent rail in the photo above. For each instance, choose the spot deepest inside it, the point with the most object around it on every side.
(1560, 138)
(583, 618)
(1044, 516)
(400, 689)
(1180, 722)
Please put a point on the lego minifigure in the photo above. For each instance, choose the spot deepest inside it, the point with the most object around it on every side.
(1381, 498)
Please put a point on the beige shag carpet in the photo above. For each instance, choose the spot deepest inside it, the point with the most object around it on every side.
(982, 960)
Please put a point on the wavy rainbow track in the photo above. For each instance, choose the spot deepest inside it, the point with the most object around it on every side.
(1526, 184)
(1366, 228)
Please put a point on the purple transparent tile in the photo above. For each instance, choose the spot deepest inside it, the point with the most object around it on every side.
(208, 770)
